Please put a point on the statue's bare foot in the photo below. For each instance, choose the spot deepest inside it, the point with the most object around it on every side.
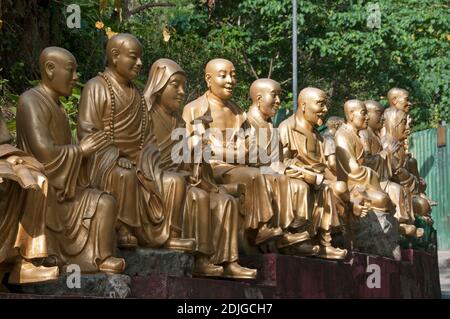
(25, 272)
(113, 265)
(236, 271)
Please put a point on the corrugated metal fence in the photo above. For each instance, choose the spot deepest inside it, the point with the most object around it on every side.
(434, 167)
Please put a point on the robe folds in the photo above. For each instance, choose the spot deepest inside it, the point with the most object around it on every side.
(293, 200)
(210, 217)
(150, 200)
(305, 149)
(19, 174)
(78, 219)
(380, 162)
(258, 208)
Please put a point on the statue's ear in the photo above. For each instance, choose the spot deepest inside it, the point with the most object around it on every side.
(115, 55)
(303, 106)
(208, 80)
(50, 69)
(258, 97)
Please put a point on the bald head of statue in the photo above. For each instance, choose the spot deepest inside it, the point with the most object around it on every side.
(375, 111)
(124, 53)
(220, 77)
(356, 114)
(399, 98)
(312, 105)
(58, 69)
(265, 94)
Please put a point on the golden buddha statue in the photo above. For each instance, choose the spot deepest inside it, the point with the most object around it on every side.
(150, 200)
(265, 96)
(396, 131)
(214, 218)
(361, 180)
(303, 154)
(229, 123)
(79, 220)
(22, 235)
(378, 159)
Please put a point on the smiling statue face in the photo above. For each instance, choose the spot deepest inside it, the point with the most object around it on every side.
(220, 77)
(173, 93)
(269, 98)
(63, 68)
(128, 59)
(313, 104)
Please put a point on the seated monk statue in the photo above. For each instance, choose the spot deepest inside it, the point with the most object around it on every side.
(214, 218)
(303, 155)
(329, 145)
(22, 235)
(150, 201)
(265, 96)
(228, 125)
(377, 158)
(396, 131)
(399, 99)
(362, 181)
(79, 220)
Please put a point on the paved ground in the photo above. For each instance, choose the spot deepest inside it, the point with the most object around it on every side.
(444, 273)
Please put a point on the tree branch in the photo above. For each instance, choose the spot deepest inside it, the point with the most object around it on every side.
(149, 5)
(250, 65)
(270, 68)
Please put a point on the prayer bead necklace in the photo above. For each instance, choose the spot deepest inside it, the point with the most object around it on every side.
(113, 110)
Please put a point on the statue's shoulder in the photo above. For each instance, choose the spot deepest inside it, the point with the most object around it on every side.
(235, 108)
(29, 98)
(288, 123)
(194, 108)
(96, 82)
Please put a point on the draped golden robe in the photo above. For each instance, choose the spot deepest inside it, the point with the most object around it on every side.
(210, 217)
(380, 162)
(259, 199)
(294, 207)
(350, 169)
(306, 149)
(19, 173)
(149, 200)
(79, 220)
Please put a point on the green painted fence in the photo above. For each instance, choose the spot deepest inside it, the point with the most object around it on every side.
(434, 167)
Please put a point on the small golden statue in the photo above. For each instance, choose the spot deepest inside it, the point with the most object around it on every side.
(265, 95)
(150, 200)
(22, 235)
(229, 121)
(396, 131)
(79, 220)
(362, 181)
(214, 218)
(379, 160)
(304, 157)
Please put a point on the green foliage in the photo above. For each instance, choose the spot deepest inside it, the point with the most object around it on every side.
(338, 50)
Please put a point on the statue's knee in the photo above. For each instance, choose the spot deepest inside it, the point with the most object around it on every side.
(421, 206)
(340, 187)
(107, 205)
(199, 195)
